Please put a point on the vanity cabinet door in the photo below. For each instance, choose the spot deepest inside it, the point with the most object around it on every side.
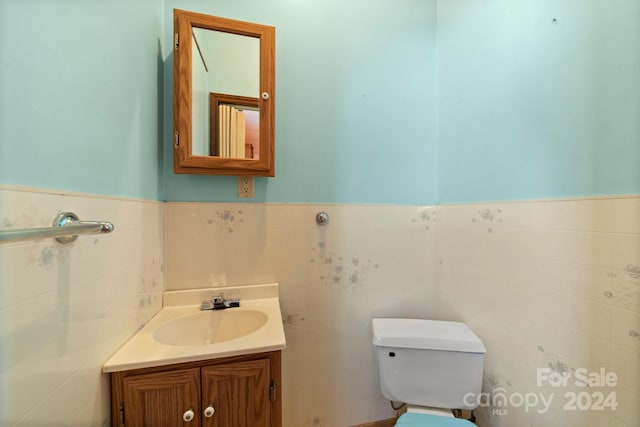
(239, 393)
(162, 399)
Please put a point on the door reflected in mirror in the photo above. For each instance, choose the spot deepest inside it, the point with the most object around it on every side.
(235, 126)
(225, 87)
(224, 96)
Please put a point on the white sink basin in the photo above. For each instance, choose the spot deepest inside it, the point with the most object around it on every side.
(180, 332)
(210, 326)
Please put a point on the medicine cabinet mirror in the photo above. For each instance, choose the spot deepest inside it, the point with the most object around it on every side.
(224, 96)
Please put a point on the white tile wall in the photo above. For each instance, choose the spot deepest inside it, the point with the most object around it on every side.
(547, 284)
(64, 309)
(369, 261)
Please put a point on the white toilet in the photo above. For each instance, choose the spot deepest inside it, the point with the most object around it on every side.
(433, 366)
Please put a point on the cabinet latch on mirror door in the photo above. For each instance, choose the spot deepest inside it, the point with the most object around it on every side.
(122, 415)
(272, 390)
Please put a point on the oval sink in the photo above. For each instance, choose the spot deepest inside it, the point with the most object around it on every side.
(209, 327)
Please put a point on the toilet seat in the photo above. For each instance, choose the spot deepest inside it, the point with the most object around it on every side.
(427, 420)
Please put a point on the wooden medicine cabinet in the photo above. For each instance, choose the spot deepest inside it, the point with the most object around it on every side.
(224, 96)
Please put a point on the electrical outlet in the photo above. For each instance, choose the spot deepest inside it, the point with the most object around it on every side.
(245, 187)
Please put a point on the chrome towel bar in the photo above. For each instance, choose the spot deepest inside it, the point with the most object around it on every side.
(66, 228)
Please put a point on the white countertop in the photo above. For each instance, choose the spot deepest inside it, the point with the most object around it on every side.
(142, 350)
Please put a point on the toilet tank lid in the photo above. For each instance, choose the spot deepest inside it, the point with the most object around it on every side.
(426, 334)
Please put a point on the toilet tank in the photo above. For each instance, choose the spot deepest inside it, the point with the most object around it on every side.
(429, 362)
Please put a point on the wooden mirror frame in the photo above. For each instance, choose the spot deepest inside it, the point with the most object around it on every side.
(184, 162)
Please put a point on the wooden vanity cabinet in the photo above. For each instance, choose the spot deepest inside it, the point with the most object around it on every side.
(240, 391)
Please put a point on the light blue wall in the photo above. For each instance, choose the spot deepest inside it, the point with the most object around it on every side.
(538, 99)
(79, 95)
(355, 107)
(514, 106)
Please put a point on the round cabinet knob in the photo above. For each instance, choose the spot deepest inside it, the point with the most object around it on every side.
(209, 411)
(188, 415)
(265, 95)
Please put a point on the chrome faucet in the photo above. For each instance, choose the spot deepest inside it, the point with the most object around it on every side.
(219, 302)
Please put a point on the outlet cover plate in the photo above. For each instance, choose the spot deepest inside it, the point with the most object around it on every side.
(245, 187)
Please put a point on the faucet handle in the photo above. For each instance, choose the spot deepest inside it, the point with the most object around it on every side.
(233, 296)
(206, 305)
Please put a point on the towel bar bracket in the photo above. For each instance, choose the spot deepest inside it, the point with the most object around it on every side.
(66, 228)
(69, 218)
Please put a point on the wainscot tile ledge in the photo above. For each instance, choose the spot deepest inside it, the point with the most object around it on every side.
(257, 323)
